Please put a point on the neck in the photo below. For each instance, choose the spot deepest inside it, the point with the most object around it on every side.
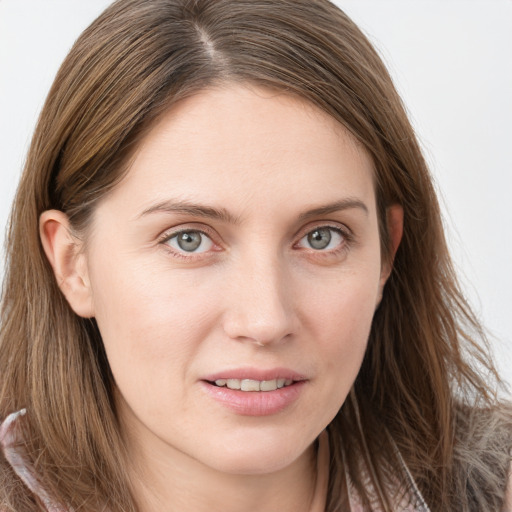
(179, 483)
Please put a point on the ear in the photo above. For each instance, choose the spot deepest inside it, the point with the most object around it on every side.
(395, 225)
(64, 252)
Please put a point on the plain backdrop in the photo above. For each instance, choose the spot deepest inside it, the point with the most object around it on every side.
(451, 61)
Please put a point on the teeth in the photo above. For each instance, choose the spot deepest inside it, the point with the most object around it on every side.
(253, 385)
(233, 384)
(268, 385)
(250, 385)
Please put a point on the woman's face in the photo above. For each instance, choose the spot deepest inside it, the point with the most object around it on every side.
(241, 250)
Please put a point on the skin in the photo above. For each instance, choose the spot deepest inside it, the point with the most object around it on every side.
(255, 294)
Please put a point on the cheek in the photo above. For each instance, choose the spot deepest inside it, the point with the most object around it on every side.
(340, 320)
(151, 322)
(344, 307)
(133, 294)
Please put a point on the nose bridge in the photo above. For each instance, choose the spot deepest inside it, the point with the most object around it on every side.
(260, 307)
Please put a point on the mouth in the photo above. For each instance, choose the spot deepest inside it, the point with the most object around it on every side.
(251, 385)
(255, 391)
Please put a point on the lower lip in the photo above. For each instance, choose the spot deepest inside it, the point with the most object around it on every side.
(255, 403)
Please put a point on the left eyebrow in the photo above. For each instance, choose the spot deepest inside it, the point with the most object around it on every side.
(345, 204)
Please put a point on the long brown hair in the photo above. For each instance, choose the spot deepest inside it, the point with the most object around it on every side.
(426, 369)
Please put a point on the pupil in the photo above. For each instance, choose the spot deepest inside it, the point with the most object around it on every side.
(320, 238)
(189, 241)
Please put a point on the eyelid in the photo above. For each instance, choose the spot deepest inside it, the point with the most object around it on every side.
(337, 226)
(189, 226)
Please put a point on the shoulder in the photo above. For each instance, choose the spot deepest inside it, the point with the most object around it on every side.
(507, 504)
(482, 456)
(14, 496)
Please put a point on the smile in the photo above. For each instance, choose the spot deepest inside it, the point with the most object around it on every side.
(253, 385)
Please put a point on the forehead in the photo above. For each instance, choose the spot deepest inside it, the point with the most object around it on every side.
(248, 141)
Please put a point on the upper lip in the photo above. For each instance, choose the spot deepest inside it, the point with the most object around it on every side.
(255, 374)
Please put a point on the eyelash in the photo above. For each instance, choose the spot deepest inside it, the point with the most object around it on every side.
(346, 242)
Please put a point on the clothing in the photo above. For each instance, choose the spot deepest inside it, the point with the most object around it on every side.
(410, 501)
(9, 441)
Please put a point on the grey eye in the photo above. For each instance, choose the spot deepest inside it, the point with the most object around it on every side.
(190, 241)
(322, 238)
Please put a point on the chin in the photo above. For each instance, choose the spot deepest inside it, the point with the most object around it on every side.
(253, 464)
(256, 456)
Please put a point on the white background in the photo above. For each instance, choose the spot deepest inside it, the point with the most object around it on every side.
(452, 63)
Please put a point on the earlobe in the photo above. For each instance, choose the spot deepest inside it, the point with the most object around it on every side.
(69, 265)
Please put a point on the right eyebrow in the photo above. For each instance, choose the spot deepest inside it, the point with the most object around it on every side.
(188, 208)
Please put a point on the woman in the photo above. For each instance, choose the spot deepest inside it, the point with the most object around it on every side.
(156, 285)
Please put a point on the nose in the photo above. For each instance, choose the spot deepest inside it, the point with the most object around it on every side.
(259, 305)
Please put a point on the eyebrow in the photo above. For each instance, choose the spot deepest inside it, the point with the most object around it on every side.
(344, 204)
(209, 212)
(187, 208)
